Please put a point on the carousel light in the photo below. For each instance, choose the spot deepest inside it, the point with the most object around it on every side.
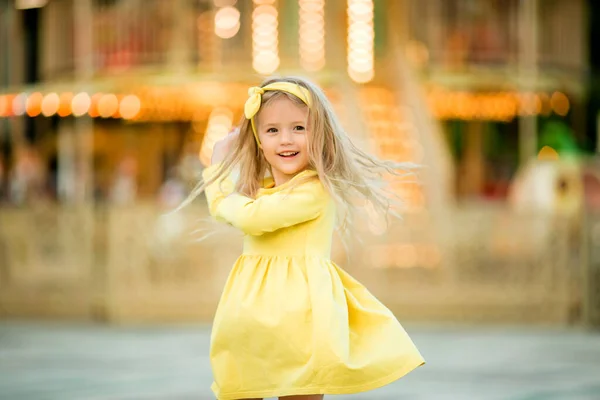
(33, 104)
(527, 103)
(360, 40)
(227, 22)
(546, 108)
(394, 136)
(265, 51)
(495, 106)
(130, 106)
(50, 104)
(93, 110)
(560, 103)
(219, 124)
(64, 106)
(312, 34)
(81, 104)
(4, 106)
(108, 105)
(19, 104)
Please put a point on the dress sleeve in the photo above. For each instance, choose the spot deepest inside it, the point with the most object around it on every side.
(218, 190)
(271, 212)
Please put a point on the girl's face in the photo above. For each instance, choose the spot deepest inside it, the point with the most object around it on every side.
(282, 130)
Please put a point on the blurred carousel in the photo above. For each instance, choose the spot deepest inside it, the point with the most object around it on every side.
(132, 95)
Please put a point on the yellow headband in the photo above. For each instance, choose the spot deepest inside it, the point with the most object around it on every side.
(255, 100)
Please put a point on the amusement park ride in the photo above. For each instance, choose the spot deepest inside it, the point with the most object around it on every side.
(158, 80)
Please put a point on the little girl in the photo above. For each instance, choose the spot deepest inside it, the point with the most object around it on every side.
(290, 323)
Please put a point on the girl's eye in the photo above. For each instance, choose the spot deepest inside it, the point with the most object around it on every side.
(272, 130)
(299, 128)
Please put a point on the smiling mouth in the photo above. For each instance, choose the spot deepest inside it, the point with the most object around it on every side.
(288, 154)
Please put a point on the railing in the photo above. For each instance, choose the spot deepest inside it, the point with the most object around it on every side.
(470, 35)
(447, 35)
(139, 34)
(130, 264)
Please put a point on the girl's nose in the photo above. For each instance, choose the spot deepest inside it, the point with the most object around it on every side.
(287, 136)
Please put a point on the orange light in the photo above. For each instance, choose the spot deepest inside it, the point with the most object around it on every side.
(4, 103)
(219, 124)
(312, 34)
(265, 43)
(81, 104)
(360, 58)
(227, 22)
(130, 106)
(560, 103)
(18, 104)
(64, 108)
(93, 111)
(108, 105)
(50, 104)
(33, 104)
(547, 153)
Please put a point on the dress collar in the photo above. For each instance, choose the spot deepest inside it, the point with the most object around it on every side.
(269, 182)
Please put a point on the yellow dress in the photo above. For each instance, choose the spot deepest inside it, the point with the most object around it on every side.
(290, 321)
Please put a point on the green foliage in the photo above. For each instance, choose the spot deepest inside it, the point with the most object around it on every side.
(558, 135)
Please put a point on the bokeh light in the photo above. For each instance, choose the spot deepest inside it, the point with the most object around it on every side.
(50, 104)
(64, 107)
(34, 104)
(560, 103)
(108, 105)
(219, 124)
(227, 22)
(312, 34)
(360, 41)
(547, 153)
(130, 106)
(265, 42)
(81, 104)
(19, 104)
(93, 110)
(5, 106)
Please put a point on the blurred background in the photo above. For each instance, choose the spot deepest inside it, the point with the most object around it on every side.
(109, 110)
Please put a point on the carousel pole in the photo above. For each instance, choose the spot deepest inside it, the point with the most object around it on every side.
(95, 279)
(4, 77)
(15, 75)
(52, 37)
(84, 124)
(180, 47)
(5, 142)
(528, 74)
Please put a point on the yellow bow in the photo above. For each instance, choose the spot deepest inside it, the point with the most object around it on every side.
(255, 99)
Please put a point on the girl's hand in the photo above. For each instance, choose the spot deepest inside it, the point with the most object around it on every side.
(223, 146)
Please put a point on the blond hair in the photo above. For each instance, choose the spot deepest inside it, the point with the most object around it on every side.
(352, 177)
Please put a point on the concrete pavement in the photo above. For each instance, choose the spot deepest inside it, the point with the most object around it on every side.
(53, 361)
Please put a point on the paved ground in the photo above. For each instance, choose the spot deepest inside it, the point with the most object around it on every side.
(41, 361)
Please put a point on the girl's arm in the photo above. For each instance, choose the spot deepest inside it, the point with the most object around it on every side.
(217, 191)
(268, 213)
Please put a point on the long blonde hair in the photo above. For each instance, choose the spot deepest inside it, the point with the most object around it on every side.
(352, 177)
